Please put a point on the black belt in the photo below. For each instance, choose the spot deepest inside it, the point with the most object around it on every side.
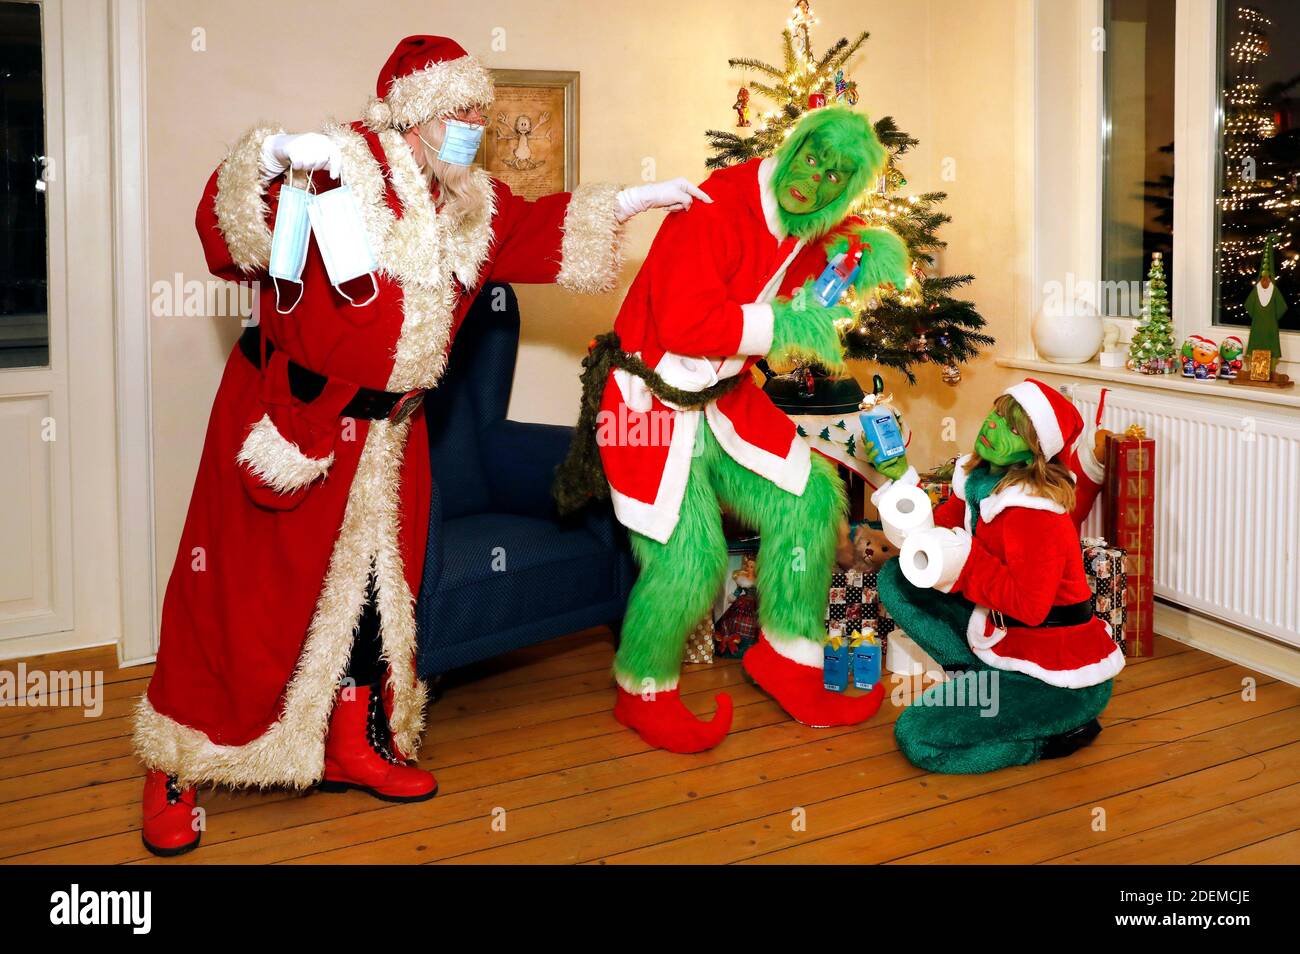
(306, 385)
(1073, 614)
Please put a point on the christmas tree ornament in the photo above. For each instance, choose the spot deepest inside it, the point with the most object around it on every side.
(951, 375)
(1152, 348)
(741, 106)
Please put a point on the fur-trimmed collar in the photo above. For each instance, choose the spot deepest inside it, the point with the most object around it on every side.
(995, 503)
(413, 243)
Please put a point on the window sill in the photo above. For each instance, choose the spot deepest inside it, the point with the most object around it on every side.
(1162, 382)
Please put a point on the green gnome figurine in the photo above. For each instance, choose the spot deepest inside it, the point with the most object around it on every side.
(1266, 306)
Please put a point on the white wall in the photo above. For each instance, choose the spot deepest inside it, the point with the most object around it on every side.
(654, 77)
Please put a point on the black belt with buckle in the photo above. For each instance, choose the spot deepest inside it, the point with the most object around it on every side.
(1072, 614)
(306, 385)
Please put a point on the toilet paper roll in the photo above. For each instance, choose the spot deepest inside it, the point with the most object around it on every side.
(933, 558)
(904, 508)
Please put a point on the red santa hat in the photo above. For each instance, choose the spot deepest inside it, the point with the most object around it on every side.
(426, 77)
(1056, 421)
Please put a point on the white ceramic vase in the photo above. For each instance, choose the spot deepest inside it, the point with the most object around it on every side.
(1072, 338)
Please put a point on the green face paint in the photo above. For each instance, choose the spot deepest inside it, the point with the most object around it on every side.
(998, 444)
(813, 180)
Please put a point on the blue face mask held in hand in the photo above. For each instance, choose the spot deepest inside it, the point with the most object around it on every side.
(341, 236)
(289, 240)
(460, 142)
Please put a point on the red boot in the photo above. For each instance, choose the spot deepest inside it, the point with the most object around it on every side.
(665, 723)
(800, 691)
(359, 754)
(167, 828)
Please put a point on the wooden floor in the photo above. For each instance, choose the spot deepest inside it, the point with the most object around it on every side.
(533, 768)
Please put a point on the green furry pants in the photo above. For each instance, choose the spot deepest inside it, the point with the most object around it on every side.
(944, 730)
(680, 579)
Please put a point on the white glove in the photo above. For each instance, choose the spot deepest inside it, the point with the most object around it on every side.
(308, 152)
(934, 557)
(673, 195)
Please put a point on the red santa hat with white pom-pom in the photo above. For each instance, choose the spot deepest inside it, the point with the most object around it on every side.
(1056, 421)
(426, 77)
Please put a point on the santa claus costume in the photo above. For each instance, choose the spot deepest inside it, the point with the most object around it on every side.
(1012, 600)
(308, 518)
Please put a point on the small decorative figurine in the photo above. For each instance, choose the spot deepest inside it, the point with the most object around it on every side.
(741, 106)
(1230, 351)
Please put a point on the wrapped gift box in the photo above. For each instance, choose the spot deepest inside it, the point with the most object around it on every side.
(937, 483)
(1104, 566)
(854, 604)
(699, 642)
(1128, 500)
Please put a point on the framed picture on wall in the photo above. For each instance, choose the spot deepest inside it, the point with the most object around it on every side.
(531, 140)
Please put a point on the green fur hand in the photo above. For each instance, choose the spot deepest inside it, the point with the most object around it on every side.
(804, 329)
(888, 260)
(893, 469)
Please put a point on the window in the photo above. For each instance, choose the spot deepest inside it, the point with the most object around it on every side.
(1258, 195)
(24, 298)
(1138, 144)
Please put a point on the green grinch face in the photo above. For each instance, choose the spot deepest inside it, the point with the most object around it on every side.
(814, 179)
(998, 444)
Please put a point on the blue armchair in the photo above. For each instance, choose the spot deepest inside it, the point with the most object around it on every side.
(502, 570)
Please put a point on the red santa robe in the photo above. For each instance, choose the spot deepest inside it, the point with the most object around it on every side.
(1025, 560)
(293, 506)
(699, 312)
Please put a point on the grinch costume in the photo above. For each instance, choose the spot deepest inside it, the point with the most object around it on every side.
(683, 429)
(1008, 609)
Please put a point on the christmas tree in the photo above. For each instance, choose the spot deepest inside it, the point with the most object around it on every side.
(1152, 348)
(897, 328)
(1259, 195)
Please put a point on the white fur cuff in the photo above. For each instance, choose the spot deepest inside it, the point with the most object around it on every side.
(277, 462)
(756, 333)
(591, 252)
(241, 201)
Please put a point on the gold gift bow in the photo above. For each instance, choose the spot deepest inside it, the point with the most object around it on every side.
(858, 638)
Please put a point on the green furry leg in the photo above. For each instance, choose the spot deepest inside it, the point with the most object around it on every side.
(798, 535)
(983, 719)
(674, 590)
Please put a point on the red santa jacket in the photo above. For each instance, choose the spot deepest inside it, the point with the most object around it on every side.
(294, 508)
(1023, 560)
(699, 312)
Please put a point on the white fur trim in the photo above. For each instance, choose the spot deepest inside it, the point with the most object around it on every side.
(766, 170)
(798, 649)
(657, 520)
(1014, 496)
(277, 461)
(634, 686)
(437, 90)
(1092, 468)
(292, 749)
(1031, 397)
(959, 477)
(240, 203)
(591, 252)
(1090, 675)
(757, 329)
(790, 472)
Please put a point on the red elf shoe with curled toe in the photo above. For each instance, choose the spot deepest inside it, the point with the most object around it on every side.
(167, 828)
(799, 689)
(665, 723)
(359, 753)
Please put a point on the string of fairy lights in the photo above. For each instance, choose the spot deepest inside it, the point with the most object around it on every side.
(1256, 198)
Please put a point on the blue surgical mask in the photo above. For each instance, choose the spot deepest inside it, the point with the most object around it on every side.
(460, 142)
(289, 241)
(341, 236)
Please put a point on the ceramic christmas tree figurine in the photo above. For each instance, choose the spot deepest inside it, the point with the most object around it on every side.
(1152, 349)
(1266, 306)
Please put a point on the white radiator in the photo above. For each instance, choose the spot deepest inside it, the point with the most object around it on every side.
(1227, 504)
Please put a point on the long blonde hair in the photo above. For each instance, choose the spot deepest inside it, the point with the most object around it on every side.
(1039, 476)
(455, 197)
